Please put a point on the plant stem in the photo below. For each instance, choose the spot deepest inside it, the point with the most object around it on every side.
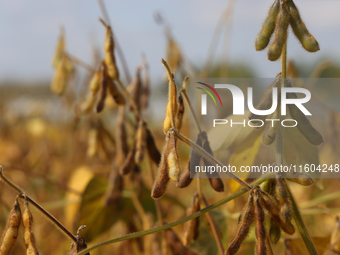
(302, 228)
(296, 213)
(81, 63)
(213, 227)
(64, 230)
(209, 157)
(158, 210)
(173, 224)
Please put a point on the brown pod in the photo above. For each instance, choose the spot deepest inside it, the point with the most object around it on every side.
(146, 88)
(173, 162)
(192, 227)
(179, 113)
(171, 107)
(300, 30)
(267, 99)
(270, 133)
(87, 106)
(12, 229)
(121, 139)
(27, 220)
(116, 95)
(173, 54)
(176, 245)
(282, 189)
(137, 90)
(273, 208)
(281, 33)
(103, 89)
(60, 49)
(140, 141)
(274, 231)
(248, 217)
(260, 227)
(304, 126)
(92, 142)
(152, 148)
(162, 178)
(80, 244)
(109, 56)
(194, 161)
(268, 27)
(60, 78)
(214, 179)
(129, 163)
(300, 178)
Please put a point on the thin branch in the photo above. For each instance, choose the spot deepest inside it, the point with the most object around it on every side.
(129, 97)
(22, 194)
(81, 63)
(302, 228)
(213, 227)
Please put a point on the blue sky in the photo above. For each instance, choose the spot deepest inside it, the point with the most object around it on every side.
(29, 30)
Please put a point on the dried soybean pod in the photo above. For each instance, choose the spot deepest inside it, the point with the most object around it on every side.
(140, 141)
(146, 87)
(12, 230)
(173, 53)
(171, 107)
(194, 161)
(304, 126)
(281, 33)
(300, 30)
(109, 56)
(274, 231)
(152, 148)
(60, 78)
(246, 221)
(214, 179)
(162, 178)
(80, 245)
(273, 208)
(267, 99)
(176, 245)
(129, 162)
(185, 178)
(92, 142)
(103, 89)
(136, 89)
(172, 159)
(270, 133)
(286, 212)
(300, 178)
(192, 227)
(116, 95)
(27, 221)
(268, 27)
(121, 139)
(179, 113)
(59, 49)
(282, 189)
(260, 227)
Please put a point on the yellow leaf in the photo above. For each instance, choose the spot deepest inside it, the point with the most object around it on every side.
(77, 182)
(225, 136)
(244, 155)
(296, 246)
